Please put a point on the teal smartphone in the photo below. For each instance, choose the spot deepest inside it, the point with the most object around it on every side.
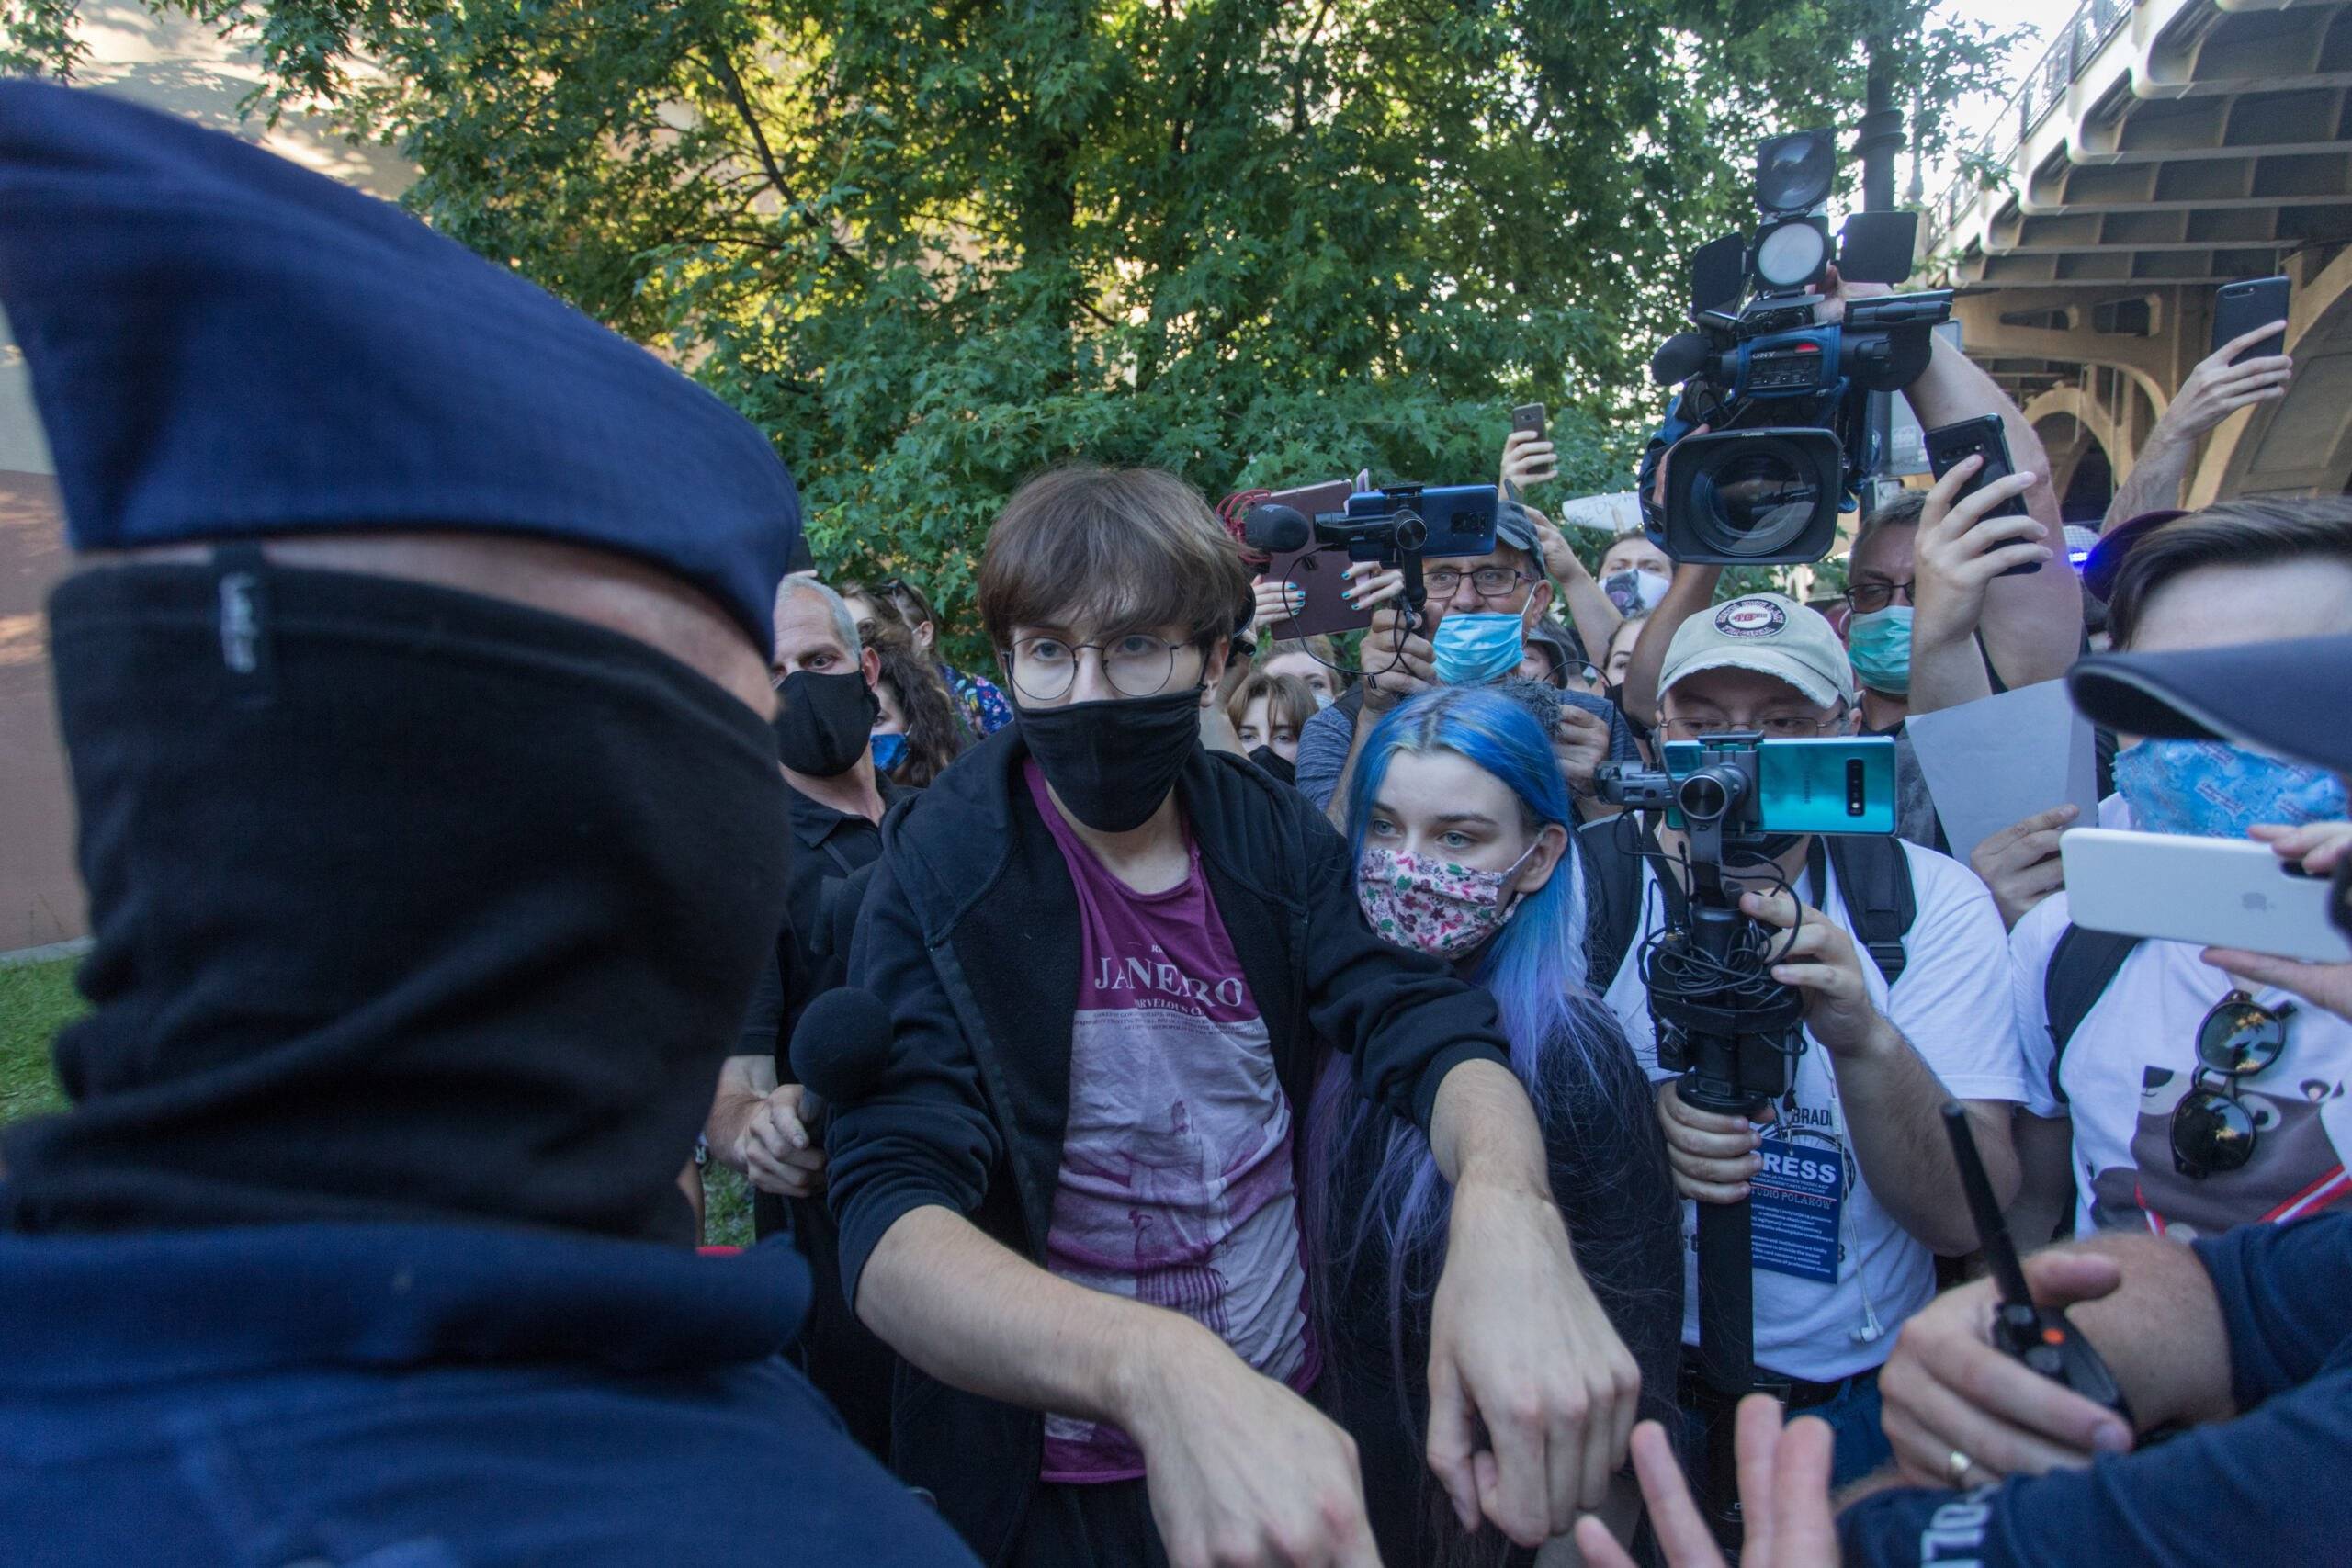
(1833, 785)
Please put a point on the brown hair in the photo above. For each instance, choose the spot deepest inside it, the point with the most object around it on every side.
(2235, 533)
(1319, 648)
(935, 733)
(887, 612)
(1903, 511)
(911, 602)
(1124, 548)
(1289, 701)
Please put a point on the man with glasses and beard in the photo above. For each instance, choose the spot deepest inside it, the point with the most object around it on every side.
(1112, 961)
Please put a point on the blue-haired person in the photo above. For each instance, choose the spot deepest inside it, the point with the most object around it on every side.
(1460, 828)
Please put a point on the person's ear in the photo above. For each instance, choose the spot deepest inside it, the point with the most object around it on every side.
(869, 663)
(925, 635)
(1213, 667)
(1550, 848)
(1539, 598)
(1852, 723)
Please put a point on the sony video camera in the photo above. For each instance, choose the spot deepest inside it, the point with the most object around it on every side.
(1786, 401)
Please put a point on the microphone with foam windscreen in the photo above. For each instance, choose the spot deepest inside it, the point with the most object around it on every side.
(1680, 357)
(841, 1048)
(1273, 528)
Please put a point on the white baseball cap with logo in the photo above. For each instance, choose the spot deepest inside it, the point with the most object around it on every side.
(1768, 634)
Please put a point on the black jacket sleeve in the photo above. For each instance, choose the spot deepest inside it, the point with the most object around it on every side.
(924, 1136)
(1402, 1015)
(2263, 1488)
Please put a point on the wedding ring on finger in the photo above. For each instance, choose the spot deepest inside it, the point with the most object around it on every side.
(1957, 1468)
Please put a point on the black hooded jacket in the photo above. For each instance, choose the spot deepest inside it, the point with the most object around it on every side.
(970, 932)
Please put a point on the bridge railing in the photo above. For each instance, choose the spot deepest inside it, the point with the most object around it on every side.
(2042, 90)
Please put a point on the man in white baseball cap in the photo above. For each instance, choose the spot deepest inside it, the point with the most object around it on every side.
(1899, 953)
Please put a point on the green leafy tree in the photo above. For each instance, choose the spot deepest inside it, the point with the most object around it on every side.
(933, 245)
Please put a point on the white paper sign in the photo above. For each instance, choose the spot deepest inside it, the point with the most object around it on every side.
(1994, 762)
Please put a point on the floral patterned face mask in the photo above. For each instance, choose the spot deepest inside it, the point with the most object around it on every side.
(1440, 908)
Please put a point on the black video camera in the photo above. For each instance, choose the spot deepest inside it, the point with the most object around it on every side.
(1394, 525)
(1786, 403)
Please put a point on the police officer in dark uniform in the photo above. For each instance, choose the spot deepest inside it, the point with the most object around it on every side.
(413, 684)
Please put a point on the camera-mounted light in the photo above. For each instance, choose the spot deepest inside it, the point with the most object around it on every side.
(1792, 253)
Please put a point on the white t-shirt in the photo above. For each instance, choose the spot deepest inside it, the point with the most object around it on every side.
(1951, 1005)
(2131, 1059)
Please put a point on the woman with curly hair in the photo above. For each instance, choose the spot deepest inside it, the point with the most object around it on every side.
(919, 733)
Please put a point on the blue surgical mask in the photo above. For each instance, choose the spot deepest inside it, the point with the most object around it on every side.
(890, 750)
(1880, 646)
(1476, 647)
(2205, 788)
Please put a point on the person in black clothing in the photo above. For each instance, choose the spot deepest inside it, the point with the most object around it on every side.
(1459, 822)
(429, 812)
(1069, 1196)
(758, 1123)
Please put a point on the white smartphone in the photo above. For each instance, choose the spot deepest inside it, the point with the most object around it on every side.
(2211, 892)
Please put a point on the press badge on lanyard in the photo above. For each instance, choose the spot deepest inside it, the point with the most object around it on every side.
(1793, 1206)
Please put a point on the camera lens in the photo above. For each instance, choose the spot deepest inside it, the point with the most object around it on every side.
(1759, 498)
(1794, 173)
(1703, 798)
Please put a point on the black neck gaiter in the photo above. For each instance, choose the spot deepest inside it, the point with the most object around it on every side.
(408, 904)
(1112, 763)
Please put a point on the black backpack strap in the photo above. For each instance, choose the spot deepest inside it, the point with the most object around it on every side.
(2081, 966)
(1612, 898)
(1874, 880)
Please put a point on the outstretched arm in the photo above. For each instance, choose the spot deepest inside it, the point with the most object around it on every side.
(1519, 1344)
(1240, 1468)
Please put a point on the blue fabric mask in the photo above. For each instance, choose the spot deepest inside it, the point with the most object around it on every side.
(890, 750)
(2205, 788)
(1477, 646)
(1880, 646)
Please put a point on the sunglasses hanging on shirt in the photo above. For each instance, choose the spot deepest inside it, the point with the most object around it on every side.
(2212, 1131)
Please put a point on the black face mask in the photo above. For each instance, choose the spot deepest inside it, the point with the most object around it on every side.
(1112, 763)
(1275, 763)
(823, 723)
(408, 905)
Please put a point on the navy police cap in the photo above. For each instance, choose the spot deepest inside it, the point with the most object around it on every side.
(223, 344)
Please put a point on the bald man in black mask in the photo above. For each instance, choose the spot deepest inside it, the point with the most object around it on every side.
(415, 682)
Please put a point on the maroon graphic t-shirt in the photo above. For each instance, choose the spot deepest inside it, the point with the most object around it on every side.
(1176, 1181)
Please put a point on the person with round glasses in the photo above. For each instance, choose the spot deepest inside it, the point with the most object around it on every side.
(1115, 963)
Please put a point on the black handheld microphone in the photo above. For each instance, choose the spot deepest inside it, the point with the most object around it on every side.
(1276, 528)
(841, 1048)
(2040, 1336)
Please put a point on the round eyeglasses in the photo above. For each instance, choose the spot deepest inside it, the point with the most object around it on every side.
(1138, 664)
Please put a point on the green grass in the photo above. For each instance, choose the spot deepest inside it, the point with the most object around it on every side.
(726, 1207)
(36, 1001)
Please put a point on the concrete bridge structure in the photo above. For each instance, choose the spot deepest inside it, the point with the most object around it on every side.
(2160, 149)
